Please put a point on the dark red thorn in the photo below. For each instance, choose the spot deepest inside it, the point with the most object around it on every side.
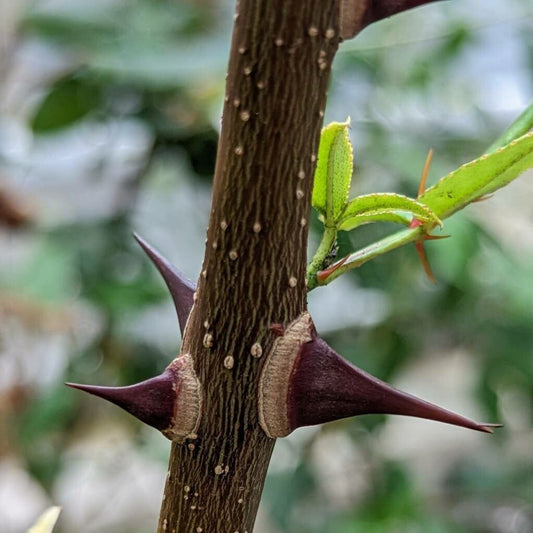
(357, 16)
(152, 401)
(181, 288)
(324, 387)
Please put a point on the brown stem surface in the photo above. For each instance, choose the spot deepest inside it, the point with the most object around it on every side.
(255, 261)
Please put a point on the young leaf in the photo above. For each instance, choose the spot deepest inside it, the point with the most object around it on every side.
(380, 215)
(46, 521)
(479, 177)
(333, 171)
(384, 207)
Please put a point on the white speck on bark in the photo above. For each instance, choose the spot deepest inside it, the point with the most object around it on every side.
(208, 340)
(312, 31)
(244, 116)
(229, 362)
(239, 150)
(299, 194)
(218, 470)
(223, 225)
(233, 255)
(256, 350)
(257, 227)
(293, 282)
(330, 33)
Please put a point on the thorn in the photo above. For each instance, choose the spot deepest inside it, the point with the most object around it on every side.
(419, 245)
(428, 237)
(425, 172)
(424, 260)
(325, 387)
(322, 275)
(483, 197)
(151, 401)
(181, 288)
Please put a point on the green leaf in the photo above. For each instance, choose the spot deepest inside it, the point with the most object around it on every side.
(384, 207)
(333, 171)
(373, 216)
(46, 521)
(479, 177)
(69, 100)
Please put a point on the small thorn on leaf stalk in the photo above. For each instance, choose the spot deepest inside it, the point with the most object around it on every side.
(305, 382)
(181, 288)
(323, 275)
(482, 198)
(415, 223)
(169, 402)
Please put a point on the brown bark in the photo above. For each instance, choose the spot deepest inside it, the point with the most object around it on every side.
(254, 267)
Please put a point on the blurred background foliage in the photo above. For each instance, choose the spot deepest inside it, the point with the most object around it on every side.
(109, 118)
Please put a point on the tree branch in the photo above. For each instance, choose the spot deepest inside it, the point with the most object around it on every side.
(255, 263)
